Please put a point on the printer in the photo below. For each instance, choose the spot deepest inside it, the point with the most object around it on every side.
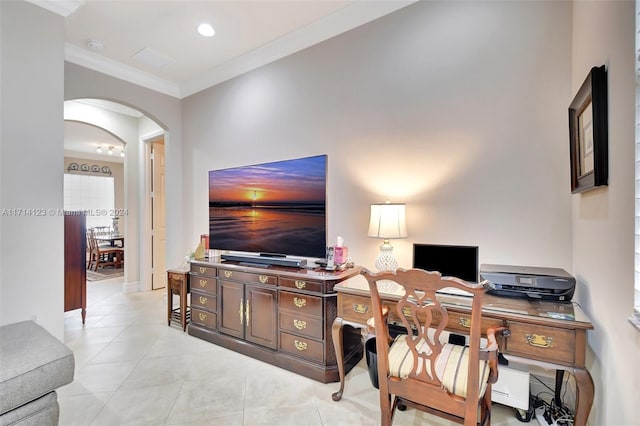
(529, 282)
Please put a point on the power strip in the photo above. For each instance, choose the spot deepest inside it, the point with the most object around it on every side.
(540, 418)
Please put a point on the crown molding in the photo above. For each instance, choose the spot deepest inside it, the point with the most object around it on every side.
(351, 16)
(60, 7)
(119, 70)
(345, 19)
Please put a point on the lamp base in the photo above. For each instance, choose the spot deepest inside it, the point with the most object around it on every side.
(386, 261)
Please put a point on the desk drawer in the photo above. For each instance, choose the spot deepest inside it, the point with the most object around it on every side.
(542, 343)
(301, 324)
(301, 347)
(301, 303)
(203, 284)
(203, 318)
(203, 270)
(462, 322)
(204, 301)
(355, 308)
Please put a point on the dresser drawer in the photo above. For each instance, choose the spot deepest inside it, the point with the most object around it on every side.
(355, 308)
(247, 277)
(300, 303)
(203, 318)
(539, 342)
(301, 347)
(203, 270)
(203, 284)
(300, 284)
(301, 324)
(176, 280)
(203, 301)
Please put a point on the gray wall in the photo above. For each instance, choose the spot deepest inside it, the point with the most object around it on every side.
(32, 131)
(457, 109)
(602, 220)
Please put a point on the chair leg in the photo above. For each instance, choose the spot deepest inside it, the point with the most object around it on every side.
(386, 413)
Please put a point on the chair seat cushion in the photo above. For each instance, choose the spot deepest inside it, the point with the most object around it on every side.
(451, 365)
(34, 363)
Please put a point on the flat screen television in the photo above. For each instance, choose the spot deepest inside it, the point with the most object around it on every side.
(276, 208)
(450, 260)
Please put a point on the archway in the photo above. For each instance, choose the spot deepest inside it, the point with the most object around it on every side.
(130, 127)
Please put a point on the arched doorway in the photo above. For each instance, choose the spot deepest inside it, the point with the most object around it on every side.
(129, 126)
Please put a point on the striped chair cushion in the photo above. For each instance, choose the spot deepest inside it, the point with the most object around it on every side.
(451, 365)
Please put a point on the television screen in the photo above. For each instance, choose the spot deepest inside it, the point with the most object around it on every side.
(453, 261)
(276, 208)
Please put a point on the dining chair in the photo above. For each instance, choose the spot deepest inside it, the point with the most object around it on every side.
(101, 255)
(419, 368)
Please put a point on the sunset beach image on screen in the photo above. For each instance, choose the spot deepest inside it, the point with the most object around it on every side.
(277, 207)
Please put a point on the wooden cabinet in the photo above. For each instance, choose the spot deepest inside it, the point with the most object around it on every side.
(75, 262)
(279, 315)
(248, 307)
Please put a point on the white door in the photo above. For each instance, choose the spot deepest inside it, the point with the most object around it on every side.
(158, 226)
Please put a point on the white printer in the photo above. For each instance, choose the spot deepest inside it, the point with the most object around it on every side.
(529, 282)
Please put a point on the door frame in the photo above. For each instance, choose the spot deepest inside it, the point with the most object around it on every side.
(146, 245)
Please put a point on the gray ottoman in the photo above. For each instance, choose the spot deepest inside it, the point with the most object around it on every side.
(33, 364)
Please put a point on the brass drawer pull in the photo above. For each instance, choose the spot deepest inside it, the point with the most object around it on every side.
(464, 322)
(539, 341)
(360, 308)
(203, 283)
(301, 346)
(241, 311)
(300, 284)
(263, 278)
(203, 300)
(203, 317)
(300, 325)
(228, 274)
(203, 269)
(299, 302)
(406, 311)
(247, 311)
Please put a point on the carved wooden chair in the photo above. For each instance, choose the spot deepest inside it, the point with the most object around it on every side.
(101, 255)
(417, 369)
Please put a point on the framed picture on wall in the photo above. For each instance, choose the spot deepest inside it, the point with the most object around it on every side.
(588, 133)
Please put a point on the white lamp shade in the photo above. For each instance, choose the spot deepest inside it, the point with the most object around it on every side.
(388, 221)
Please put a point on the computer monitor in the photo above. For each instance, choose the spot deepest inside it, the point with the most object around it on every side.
(450, 260)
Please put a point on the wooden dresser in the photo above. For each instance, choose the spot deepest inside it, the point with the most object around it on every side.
(75, 263)
(278, 315)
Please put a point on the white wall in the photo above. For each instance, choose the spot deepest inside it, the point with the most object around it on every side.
(32, 131)
(458, 109)
(603, 219)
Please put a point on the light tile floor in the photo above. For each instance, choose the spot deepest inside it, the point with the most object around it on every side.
(133, 369)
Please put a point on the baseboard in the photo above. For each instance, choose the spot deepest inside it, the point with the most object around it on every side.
(131, 287)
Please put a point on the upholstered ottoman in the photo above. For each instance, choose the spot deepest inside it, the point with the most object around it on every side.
(33, 364)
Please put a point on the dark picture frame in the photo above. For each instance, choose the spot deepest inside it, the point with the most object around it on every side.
(588, 133)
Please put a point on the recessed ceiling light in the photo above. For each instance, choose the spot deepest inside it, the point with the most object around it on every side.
(206, 30)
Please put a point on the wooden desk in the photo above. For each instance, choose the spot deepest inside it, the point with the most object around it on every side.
(547, 334)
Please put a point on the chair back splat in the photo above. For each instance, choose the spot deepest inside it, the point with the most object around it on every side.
(420, 369)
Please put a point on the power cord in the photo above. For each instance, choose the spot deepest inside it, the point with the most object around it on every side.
(550, 412)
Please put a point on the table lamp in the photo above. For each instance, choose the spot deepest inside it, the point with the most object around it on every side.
(387, 221)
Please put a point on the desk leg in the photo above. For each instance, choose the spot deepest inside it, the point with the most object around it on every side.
(584, 395)
(336, 334)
